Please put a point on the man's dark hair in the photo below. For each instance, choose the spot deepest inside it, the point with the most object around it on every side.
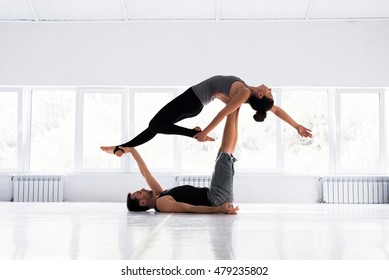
(261, 106)
(133, 204)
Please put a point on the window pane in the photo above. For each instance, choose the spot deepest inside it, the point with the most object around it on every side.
(256, 148)
(52, 130)
(359, 136)
(102, 127)
(158, 152)
(8, 128)
(310, 109)
(387, 128)
(199, 157)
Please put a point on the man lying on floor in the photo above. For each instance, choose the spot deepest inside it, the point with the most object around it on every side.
(188, 199)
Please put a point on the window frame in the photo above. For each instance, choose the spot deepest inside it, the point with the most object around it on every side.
(27, 109)
(131, 165)
(79, 134)
(19, 98)
(330, 125)
(279, 155)
(24, 115)
(381, 131)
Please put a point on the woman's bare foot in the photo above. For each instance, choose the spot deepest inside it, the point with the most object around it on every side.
(200, 130)
(115, 150)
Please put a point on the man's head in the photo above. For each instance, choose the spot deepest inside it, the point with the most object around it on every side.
(140, 200)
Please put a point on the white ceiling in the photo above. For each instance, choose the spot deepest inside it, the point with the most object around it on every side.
(209, 10)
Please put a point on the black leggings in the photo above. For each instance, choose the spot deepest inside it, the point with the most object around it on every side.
(184, 106)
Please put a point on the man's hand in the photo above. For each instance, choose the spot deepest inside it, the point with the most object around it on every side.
(228, 208)
(127, 149)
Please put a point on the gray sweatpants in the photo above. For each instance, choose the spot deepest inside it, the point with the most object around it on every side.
(222, 188)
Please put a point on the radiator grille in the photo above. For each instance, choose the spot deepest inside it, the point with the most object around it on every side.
(196, 181)
(355, 190)
(37, 188)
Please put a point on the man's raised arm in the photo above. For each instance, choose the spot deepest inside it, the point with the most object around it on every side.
(144, 170)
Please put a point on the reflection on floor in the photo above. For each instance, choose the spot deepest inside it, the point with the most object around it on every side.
(106, 231)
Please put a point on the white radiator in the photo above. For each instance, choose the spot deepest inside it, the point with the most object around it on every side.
(355, 189)
(37, 188)
(196, 181)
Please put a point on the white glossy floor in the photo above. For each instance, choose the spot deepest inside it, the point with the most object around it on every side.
(106, 231)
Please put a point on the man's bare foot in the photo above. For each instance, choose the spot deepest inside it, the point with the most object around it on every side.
(115, 150)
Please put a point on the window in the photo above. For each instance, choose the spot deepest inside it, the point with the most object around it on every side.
(386, 135)
(52, 130)
(310, 109)
(199, 157)
(61, 130)
(257, 142)
(256, 148)
(158, 152)
(102, 126)
(9, 129)
(359, 131)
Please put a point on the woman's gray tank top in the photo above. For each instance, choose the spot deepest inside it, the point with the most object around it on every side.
(206, 90)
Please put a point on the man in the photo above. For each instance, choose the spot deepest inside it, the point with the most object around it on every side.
(188, 199)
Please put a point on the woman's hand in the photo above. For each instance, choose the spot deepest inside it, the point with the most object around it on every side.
(303, 131)
(202, 137)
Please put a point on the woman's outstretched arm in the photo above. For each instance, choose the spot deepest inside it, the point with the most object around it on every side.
(279, 112)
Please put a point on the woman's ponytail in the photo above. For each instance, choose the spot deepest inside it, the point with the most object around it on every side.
(259, 116)
(261, 106)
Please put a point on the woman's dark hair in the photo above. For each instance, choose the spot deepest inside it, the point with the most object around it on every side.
(133, 204)
(261, 106)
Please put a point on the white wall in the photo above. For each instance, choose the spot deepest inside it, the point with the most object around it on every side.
(5, 188)
(313, 53)
(307, 53)
(248, 188)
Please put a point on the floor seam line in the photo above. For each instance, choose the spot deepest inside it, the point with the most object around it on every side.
(138, 250)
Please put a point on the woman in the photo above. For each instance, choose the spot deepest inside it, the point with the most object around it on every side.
(229, 89)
